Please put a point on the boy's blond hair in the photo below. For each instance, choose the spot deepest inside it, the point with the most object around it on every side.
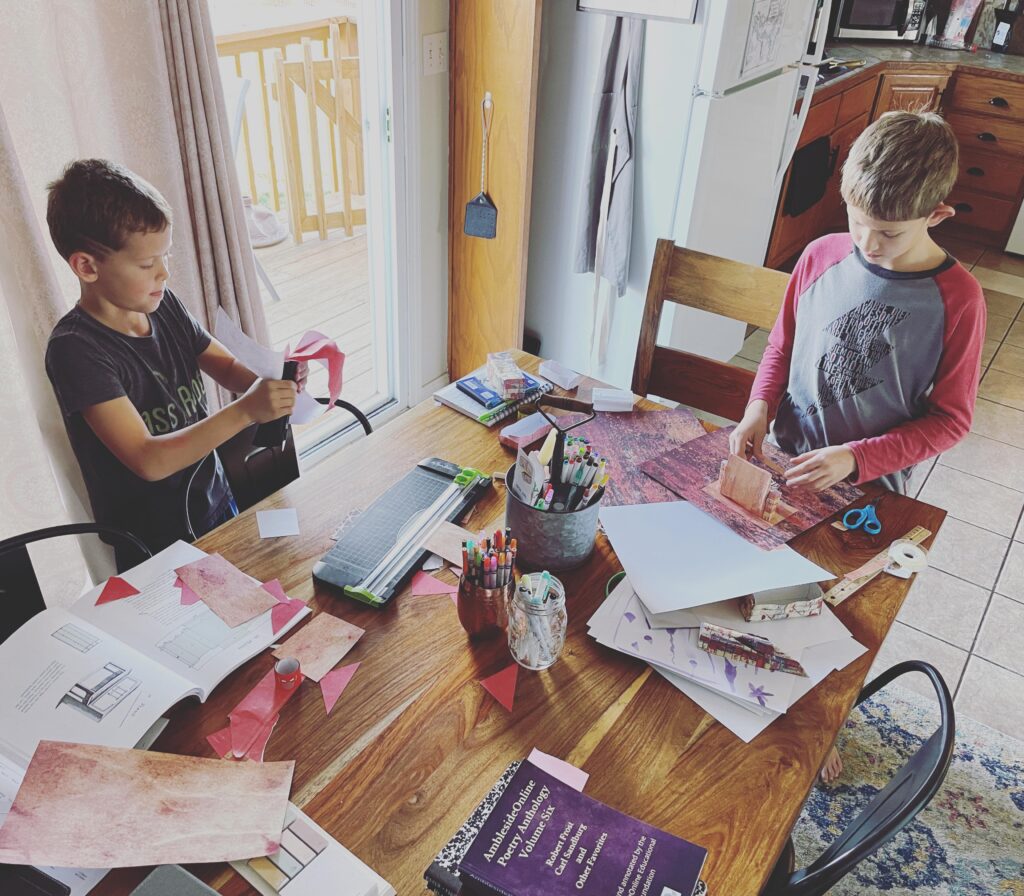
(902, 167)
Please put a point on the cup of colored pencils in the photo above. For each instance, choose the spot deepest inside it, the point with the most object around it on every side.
(487, 582)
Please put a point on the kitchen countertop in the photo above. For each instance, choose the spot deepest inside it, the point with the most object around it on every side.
(894, 54)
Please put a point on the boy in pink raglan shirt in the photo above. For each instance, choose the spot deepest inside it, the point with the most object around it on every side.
(873, 363)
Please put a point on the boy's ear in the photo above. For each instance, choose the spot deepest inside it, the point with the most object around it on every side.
(941, 213)
(84, 266)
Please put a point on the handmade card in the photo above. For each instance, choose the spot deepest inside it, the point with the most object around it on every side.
(750, 497)
(88, 806)
(627, 440)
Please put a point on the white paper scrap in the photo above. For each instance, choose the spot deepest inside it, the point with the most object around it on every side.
(278, 523)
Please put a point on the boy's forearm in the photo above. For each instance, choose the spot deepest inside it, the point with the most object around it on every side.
(168, 454)
(238, 378)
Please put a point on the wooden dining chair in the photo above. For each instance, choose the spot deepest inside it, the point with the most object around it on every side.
(732, 289)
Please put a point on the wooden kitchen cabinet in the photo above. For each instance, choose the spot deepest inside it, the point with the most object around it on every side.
(910, 92)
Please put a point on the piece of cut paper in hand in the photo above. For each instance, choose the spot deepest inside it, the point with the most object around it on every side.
(278, 523)
(255, 710)
(432, 562)
(314, 346)
(563, 771)
(423, 584)
(286, 607)
(446, 540)
(321, 644)
(502, 685)
(226, 590)
(221, 810)
(334, 682)
(188, 596)
(116, 589)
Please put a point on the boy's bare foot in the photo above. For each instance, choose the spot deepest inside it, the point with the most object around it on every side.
(832, 768)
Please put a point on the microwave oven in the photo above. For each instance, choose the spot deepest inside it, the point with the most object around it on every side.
(878, 19)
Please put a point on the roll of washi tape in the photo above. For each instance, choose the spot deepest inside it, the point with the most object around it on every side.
(287, 672)
(907, 557)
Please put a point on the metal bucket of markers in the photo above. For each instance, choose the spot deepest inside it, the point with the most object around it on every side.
(550, 539)
(537, 621)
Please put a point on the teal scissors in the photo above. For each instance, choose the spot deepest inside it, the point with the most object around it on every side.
(863, 517)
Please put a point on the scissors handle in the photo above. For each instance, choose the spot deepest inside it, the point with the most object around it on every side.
(863, 517)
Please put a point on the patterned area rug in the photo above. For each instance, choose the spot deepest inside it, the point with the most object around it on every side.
(970, 838)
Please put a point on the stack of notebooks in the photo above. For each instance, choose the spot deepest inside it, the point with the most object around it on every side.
(534, 835)
(684, 570)
(469, 396)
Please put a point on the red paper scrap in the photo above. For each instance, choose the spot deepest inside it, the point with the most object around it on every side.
(259, 746)
(116, 589)
(286, 607)
(502, 685)
(315, 346)
(334, 682)
(221, 742)
(256, 710)
(424, 583)
(188, 596)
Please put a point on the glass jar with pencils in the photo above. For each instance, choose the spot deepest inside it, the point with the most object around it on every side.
(486, 584)
(537, 621)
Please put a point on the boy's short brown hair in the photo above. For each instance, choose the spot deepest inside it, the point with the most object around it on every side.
(902, 167)
(95, 204)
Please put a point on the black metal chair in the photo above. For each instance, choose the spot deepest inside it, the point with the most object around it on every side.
(20, 595)
(888, 811)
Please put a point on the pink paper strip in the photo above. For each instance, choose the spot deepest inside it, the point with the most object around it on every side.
(334, 682)
(188, 596)
(568, 774)
(257, 708)
(315, 346)
(423, 583)
(221, 742)
(259, 746)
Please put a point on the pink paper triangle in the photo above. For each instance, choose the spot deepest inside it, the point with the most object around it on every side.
(274, 587)
(334, 682)
(502, 685)
(188, 596)
(286, 607)
(424, 583)
(116, 589)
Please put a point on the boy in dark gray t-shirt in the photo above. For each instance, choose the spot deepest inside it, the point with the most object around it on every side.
(126, 365)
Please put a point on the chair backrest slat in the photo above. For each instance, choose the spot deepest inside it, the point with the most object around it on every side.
(732, 289)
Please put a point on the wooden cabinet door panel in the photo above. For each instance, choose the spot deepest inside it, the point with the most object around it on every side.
(857, 101)
(820, 120)
(981, 211)
(987, 96)
(980, 132)
(908, 92)
(989, 172)
(834, 210)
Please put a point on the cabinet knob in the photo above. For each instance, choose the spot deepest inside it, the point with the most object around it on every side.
(975, 171)
(964, 207)
(998, 101)
(987, 137)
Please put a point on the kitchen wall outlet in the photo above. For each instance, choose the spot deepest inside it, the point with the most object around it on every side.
(435, 53)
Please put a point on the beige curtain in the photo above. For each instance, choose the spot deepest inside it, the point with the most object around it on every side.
(135, 82)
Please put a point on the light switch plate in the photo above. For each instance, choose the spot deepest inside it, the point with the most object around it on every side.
(435, 53)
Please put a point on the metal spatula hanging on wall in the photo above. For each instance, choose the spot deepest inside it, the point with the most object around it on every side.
(481, 212)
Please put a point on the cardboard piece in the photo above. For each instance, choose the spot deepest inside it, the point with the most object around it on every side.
(226, 590)
(692, 471)
(446, 540)
(320, 644)
(116, 589)
(568, 774)
(423, 584)
(502, 685)
(88, 806)
(334, 683)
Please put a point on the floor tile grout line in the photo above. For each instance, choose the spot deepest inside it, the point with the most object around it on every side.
(939, 463)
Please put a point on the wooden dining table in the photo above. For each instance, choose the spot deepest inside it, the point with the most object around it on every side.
(415, 742)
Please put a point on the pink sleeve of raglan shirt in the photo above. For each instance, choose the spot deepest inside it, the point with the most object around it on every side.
(951, 401)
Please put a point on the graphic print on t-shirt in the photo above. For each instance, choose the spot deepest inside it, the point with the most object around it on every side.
(860, 344)
(190, 400)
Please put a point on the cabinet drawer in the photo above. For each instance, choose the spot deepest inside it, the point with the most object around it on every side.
(989, 172)
(857, 101)
(981, 211)
(978, 132)
(820, 120)
(988, 96)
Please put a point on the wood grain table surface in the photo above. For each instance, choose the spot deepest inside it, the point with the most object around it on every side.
(415, 742)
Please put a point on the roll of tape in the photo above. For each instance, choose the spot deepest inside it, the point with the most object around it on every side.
(909, 557)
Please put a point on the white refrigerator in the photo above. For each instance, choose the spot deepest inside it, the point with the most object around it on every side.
(740, 137)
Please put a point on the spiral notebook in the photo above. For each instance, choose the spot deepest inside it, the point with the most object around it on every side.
(454, 398)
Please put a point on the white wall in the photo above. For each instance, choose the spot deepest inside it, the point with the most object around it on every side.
(559, 302)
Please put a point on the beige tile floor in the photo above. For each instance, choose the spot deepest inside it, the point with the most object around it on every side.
(965, 614)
